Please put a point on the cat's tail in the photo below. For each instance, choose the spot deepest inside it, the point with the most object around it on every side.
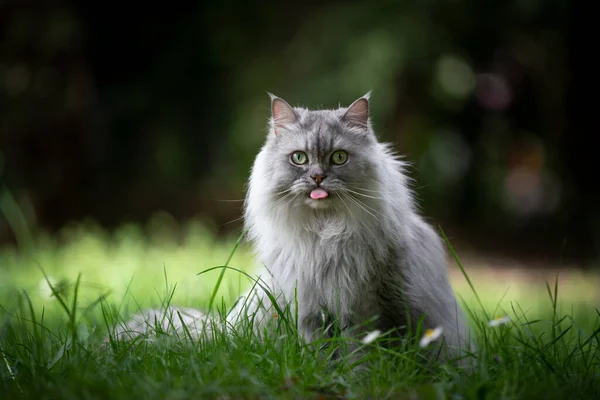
(172, 320)
(252, 308)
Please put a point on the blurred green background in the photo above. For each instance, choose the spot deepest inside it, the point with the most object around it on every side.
(123, 125)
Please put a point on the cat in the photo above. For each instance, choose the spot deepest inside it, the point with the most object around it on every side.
(336, 229)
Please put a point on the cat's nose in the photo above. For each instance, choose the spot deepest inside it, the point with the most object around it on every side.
(318, 178)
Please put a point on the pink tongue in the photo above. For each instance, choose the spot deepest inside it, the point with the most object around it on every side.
(318, 194)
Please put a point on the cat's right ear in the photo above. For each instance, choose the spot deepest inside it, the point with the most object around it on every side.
(282, 113)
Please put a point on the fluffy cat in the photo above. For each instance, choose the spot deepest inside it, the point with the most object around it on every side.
(334, 225)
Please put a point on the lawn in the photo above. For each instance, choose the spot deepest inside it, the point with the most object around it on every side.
(52, 340)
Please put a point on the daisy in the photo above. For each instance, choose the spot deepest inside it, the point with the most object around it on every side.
(371, 337)
(501, 320)
(430, 335)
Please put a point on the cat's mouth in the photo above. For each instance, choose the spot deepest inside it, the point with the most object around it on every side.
(318, 194)
(318, 198)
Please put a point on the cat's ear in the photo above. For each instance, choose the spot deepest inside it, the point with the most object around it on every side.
(358, 112)
(282, 113)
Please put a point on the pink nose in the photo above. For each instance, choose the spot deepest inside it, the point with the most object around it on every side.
(318, 178)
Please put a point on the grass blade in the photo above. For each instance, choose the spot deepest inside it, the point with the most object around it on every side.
(220, 278)
(464, 272)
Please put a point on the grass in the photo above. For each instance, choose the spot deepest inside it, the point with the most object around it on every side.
(52, 328)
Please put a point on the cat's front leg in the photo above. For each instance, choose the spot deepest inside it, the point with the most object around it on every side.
(318, 329)
(313, 327)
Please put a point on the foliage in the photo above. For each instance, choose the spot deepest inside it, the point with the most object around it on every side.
(52, 336)
(166, 108)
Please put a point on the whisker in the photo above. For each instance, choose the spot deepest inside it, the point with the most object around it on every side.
(269, 193)
(232, 221)
(346, 205)
(229, 200)
(290, 199)
(286, 200)
(361, 205)
(374, 191)
(261, 194)
(278, 201)
(278, 193)
(366, 206)
(364, 195)
(362, 239)
(365, 190)
(371, 208)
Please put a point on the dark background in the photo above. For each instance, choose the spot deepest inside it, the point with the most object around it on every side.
(115, 111)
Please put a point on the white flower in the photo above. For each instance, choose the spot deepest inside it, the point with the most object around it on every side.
(371, 337)
(430, 335)
(499, 321)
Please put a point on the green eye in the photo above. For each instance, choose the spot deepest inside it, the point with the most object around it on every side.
(339, 157)
(299, 157)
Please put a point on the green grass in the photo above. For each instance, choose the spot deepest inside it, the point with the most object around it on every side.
(52, 339)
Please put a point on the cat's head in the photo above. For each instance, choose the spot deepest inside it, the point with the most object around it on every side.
(321, 159)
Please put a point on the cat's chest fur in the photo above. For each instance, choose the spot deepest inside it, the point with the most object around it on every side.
(332, 266)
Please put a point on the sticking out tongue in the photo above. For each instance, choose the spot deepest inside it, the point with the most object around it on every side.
(318, 194)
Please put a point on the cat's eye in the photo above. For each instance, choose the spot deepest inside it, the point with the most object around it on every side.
(339, 157)
(299, 157)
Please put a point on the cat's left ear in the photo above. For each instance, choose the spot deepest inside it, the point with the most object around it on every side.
(358, 112)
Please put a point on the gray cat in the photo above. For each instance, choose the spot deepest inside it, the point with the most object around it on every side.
(335, 228)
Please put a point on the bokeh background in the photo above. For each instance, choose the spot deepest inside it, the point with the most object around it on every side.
(125, 129)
